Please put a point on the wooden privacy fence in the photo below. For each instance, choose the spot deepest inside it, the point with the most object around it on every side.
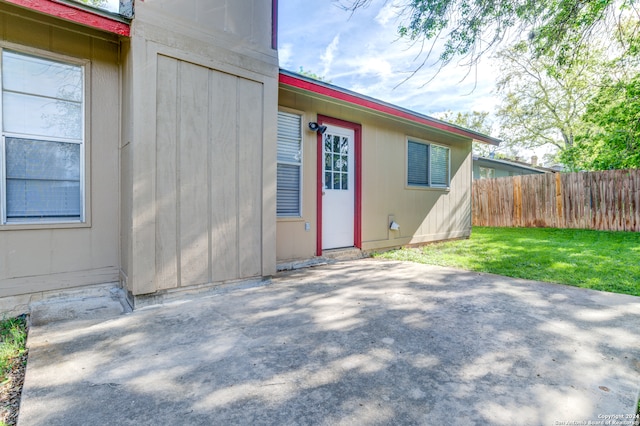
(608, 200)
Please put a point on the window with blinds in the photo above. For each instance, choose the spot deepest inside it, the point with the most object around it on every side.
(42, 143)
(427, 165)
(418, 167)
(289, 179)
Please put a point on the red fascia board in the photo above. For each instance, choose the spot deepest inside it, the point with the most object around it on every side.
(369, 103)
(70, 13)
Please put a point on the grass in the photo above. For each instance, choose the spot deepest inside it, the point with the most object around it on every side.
(599, 260)
(13, 339)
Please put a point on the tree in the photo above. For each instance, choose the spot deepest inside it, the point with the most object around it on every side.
(313, 75)
(613, 140)
(478, 121)
(543, 102)
(471, 28)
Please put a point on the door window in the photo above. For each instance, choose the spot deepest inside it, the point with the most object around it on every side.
(336, 162)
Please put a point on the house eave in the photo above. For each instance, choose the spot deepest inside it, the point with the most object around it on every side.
(494, 161)
(297, 81)
(78, 14)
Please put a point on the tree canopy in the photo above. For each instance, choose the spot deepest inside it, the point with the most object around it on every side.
(474, 120)
(543, 102)
(569, 69)
(612, 141)
(313, 75)
(471, 28)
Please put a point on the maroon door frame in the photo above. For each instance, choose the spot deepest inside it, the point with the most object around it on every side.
(357, 220)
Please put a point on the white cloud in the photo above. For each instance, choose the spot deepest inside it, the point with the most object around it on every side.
(366, 56)
(285, 53)
(390, 11)
(327, 57)
(367, 67)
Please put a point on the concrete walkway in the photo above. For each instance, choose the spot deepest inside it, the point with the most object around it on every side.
(364, 342)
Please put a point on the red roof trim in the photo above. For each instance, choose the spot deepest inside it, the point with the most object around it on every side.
(70, 13)
(379, 106)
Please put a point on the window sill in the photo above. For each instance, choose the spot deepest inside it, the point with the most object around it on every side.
(428, 188)
(290, 219)
(50, 225)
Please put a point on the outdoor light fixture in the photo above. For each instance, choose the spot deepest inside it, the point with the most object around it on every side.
(317, 127)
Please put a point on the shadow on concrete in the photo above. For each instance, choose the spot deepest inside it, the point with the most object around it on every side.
(361, 342)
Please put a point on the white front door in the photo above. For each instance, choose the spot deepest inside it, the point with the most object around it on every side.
(338, 188)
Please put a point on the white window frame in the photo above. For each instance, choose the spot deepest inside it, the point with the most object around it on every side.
(429, 184)
(299, 164)
(84, 66)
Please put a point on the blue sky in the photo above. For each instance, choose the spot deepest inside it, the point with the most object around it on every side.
(362, 52)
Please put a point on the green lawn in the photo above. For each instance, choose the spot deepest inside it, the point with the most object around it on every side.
(607, 261)
(13, 338)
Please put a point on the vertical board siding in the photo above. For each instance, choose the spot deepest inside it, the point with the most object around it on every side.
(209, 175)
(250, 161)
(223, 157)
(166, 188)
(194, 224)
(606, 200)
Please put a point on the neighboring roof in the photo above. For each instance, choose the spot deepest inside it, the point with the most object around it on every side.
(507, 164)
(288, 78)
(79, 14)
(557, 167)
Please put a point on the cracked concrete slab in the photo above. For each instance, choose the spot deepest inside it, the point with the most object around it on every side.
(360, 342)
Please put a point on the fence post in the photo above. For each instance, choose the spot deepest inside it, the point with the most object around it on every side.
(517, 201)
(559, 212)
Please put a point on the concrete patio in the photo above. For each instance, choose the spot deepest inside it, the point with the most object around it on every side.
(364, 342)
